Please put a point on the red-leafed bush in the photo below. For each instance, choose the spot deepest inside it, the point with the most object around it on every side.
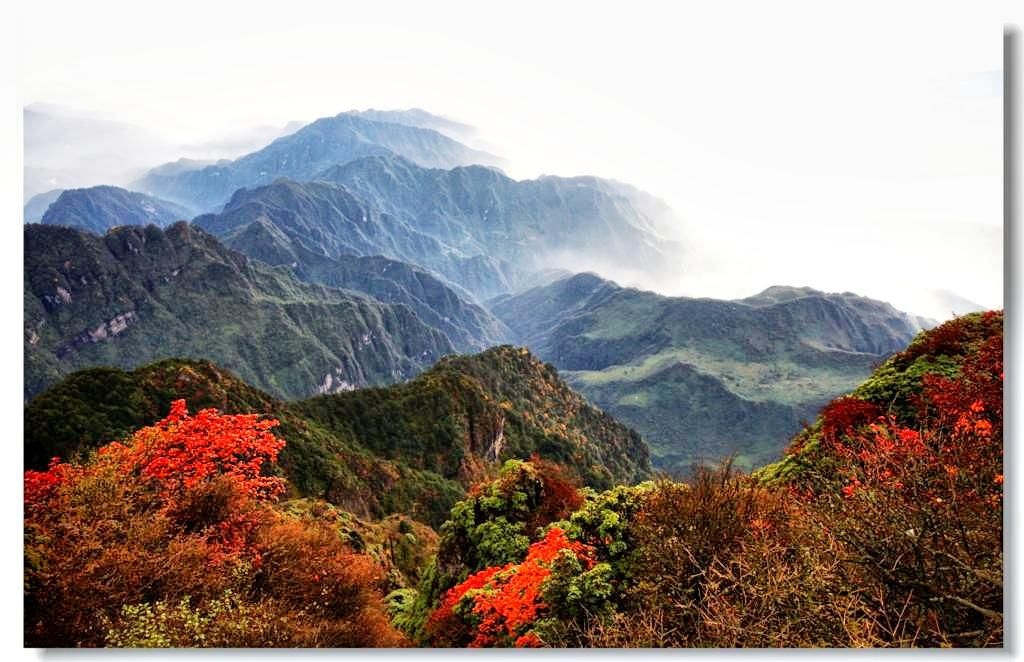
(560, 495)
(499, 606)
(955, 337)
(177, 454)
(182, 451)
(172, 539)
(843, 415)
(920, 506)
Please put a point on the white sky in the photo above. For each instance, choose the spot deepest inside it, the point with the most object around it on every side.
(847, 147)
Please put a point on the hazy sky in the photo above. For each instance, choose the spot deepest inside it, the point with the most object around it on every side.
(847, 147)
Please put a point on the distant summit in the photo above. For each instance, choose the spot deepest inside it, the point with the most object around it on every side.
(418, 117)
(472, 225)
(100, 208)
(532, 224)
(315, 147)
(780, 294)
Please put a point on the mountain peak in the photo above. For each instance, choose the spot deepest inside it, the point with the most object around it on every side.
(323, 143)
(667, 365)
(99, 208)
(781, 293)
(418, 117)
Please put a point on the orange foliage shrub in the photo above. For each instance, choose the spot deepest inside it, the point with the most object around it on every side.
(560, 495)
(725, 562)
(136, 545)
(920, 509)
(498, 606)
(843, 415)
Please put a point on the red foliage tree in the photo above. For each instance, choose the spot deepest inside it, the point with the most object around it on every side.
(178, 458)
(180, 452)
(955, 337)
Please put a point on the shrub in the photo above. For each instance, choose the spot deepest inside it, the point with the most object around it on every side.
(917, 504)
(494, 526)
(500, 606)
(723, 562)
(172, 539)
(224, 621)
(684, 532)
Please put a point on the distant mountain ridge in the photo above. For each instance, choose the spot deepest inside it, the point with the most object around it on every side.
(100, 208)
(470, 327)
(865, 325)
(443, 305)
(324, 219)
(473, 226)
(704, 378)
(139, 294)
(419, 118)
(301, 155)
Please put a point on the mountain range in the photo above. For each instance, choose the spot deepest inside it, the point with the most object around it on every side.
(755, 368)
(377, 392)
(702, 379)
(536, 223)
(288, 221)
(472, 226)
(348, 214)
(138, 294)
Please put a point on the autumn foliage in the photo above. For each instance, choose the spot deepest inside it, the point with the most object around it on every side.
(500, 605)
(177, 527)
(918, 502)
(560, 494)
